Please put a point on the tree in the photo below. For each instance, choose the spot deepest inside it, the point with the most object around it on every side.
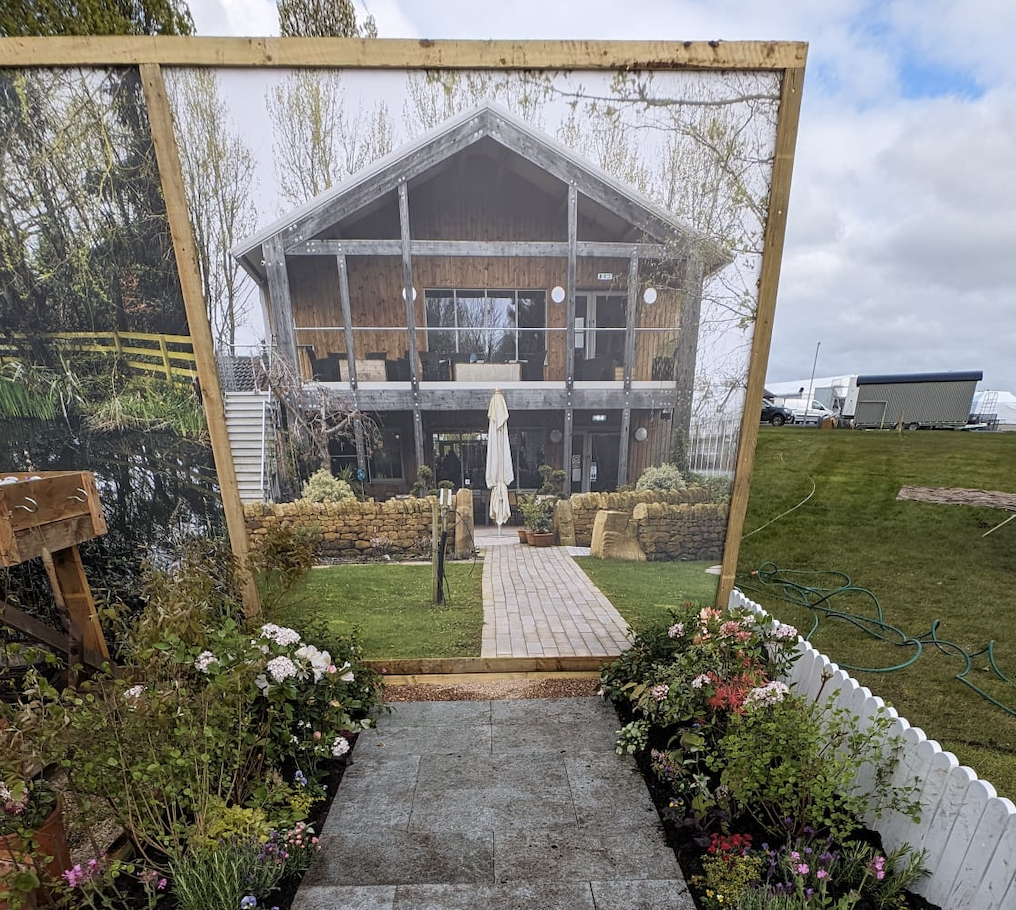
(322, 19)
(23, 18)
(218, 171)
(316, 142)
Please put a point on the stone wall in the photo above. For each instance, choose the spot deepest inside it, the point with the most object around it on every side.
(584, 506)
(690, 531)
(352, 529)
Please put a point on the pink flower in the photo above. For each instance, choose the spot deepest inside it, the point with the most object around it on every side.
(802, 868)
(822, 873)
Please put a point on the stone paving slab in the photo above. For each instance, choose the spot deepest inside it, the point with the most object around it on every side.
(531, 809)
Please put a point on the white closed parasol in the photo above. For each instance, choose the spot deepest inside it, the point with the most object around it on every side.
(500, 472)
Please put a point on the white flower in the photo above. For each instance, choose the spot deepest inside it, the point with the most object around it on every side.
(676, 630)
(280, 668)
(204, 660)
(280, 634)
(319, 660)
(348, 676)
(660, 692)
(783, 631)
(133, 693)
(769, 694)
(699, 681)
(340, 747)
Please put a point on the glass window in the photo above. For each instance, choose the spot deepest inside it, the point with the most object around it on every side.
(487, 325)
(386, 461)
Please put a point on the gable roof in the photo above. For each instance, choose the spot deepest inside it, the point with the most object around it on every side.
(487, 121)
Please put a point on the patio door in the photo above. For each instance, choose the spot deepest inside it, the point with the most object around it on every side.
(594, 462)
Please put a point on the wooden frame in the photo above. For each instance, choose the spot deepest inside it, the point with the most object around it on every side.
(151, 55)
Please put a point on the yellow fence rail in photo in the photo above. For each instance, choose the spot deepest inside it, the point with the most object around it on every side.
(168, 356)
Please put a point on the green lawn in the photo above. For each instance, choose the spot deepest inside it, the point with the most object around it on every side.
(923, 562)
(390, 606)
(642, 591)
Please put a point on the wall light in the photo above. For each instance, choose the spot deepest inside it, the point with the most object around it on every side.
(599, 418)
(404, 293)
(557, 294)
(641, 434)
(556, 435)
(649, 296)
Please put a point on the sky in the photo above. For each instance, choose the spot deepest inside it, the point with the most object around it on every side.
(900, 253)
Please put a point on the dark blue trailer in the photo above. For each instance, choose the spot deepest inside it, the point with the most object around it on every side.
(915, 400)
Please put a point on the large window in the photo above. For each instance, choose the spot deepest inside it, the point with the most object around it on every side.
(384, 463)
(493, 326)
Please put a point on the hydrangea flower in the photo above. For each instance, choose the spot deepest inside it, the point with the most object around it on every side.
(660, 692)
(340, 747)
(280, 634)
(676, 630)
(281, 668)
(204, 660)
(699, 681)
(784, 632)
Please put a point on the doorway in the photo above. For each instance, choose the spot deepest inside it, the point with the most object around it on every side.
(595, 462)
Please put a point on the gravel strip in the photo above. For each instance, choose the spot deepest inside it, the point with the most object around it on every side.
(481, 690)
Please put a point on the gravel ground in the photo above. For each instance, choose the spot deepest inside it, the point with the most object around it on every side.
(483, 690)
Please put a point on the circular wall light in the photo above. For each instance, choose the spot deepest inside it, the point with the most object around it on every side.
(556, 435)
(404, 293)
(649, 296)
(641, 434)
(557, 294)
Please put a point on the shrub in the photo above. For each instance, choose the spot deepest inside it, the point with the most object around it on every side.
(281, 558)
(664, 477)
(717, 485)
(323, 487)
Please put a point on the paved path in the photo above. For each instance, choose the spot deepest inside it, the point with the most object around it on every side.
(538, 603)
(499, 805)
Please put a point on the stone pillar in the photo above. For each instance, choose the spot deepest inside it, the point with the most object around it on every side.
(564, 523)
(614, 537)
(464, 542)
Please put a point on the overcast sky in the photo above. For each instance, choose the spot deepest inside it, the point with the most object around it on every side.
(901, 240)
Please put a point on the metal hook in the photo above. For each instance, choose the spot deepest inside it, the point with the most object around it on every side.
(33, 502)
(82, 498)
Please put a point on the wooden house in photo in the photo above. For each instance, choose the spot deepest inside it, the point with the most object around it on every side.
(483, 255)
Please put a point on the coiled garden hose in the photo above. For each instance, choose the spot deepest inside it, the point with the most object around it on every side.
(792, 585)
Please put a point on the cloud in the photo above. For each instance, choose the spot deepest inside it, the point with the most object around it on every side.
(248, 18)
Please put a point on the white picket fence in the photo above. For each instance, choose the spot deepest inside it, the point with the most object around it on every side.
(712, 444)
(968, 830)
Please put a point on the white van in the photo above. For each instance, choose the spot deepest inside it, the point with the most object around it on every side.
(806, 411)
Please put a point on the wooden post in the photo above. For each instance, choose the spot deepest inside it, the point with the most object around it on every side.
(70, 586)
(161, 120)
(435, 536)
(164, 349)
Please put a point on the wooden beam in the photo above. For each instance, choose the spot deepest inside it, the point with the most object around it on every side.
(347, 320)
(18, 619)
(769, 280)
(631, 320)
(401, 54)
(163, 139)
(282, 301)
(77, 597)
(522, 249)
(622, 452)
(385, 397)
(407, 281)
(573, 229)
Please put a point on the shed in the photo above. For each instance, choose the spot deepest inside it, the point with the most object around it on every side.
(915, 400)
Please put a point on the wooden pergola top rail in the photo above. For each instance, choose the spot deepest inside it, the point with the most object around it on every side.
(387, 53)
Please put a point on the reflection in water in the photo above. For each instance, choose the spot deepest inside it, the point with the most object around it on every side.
(156, 489)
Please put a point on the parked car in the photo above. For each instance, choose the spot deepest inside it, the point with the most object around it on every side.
(776, 415)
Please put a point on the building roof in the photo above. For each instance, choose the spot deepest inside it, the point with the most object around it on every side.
(487, 121)
(897, 378)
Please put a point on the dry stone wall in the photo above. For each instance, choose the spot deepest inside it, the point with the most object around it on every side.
(584, 506)
(352, 529)
(671, 531)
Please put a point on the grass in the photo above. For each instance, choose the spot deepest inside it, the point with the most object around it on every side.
(390, 608)
(923, 562)
(642, 592)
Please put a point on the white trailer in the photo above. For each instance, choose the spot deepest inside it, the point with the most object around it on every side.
(915, 400)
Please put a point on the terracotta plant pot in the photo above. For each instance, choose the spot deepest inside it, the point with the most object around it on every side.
(523, 536)
(50, 840)
(541, 538)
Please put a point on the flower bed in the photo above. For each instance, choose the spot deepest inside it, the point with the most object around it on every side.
(211, 747)
(758, 786)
